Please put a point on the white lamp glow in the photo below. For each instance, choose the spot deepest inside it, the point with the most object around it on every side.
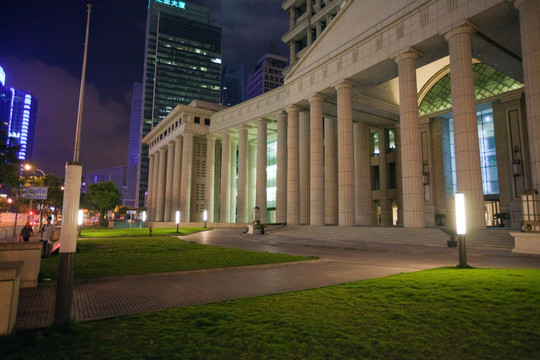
(461, 225)
(80, 218)
(144, 216)
(177, 217)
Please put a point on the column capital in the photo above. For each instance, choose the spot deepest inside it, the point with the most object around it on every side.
(171, 144)
(163, 149)
(188, 135)
(212, 137)
(316, 97)
(344, 84)
(262, 121)
(292, 108)
(462, 29)
(243, 127)
(411, 53)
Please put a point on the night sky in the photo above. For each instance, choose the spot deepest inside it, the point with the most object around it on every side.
(41, 51)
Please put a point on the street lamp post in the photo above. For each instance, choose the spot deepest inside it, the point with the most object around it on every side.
(29, 167)
(205, 216)
(72, 197)
(461, 229)
(177, 219)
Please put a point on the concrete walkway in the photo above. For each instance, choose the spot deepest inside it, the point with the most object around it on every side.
(341, 261)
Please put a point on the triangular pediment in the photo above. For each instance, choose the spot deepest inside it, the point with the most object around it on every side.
(354, 23)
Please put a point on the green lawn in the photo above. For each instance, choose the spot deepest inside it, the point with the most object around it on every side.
(118, 256)
(434, 314)
(104, 232)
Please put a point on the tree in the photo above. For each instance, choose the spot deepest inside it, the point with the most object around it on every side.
(55, 195)
(102, 196)
(9, 162)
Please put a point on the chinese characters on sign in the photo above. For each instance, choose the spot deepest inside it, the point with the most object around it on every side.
(175, 3)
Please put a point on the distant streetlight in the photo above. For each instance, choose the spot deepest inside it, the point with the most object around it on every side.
(461, 228)
(177, 219)
(143, 218)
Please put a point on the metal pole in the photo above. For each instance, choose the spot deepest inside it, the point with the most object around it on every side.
(72, 196)
(462, 248)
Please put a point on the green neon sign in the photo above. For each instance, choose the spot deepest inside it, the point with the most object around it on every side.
(174, 3)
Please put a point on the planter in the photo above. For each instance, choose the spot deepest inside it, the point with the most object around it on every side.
(29, 253)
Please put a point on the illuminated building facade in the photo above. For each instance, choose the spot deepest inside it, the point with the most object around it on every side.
(182, 63)
(18, 114)
(388, 112)
(267, 75)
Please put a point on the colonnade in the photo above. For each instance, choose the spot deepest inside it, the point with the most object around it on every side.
(323, 163)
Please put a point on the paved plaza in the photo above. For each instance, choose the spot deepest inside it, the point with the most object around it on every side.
(342, 259)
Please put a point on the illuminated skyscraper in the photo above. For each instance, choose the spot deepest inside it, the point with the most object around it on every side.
(233, 84)
(188, 66)
(18, 113)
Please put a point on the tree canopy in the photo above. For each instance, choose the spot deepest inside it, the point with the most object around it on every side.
(102, 196)
(9, 162)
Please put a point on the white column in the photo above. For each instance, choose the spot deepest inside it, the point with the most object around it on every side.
(293, 166)
(225, 200)
(175, 204)
(169, 182)
(210, 175)
(242, 200)
(330, 172)
(160, 199)
(261, 168)
(529, 13)
(281, 192)
(345, 155)
(292, 51)
(411, 149)
(232, 182)
(292, 17)
(362, 173)
(252, 178)
(304, 155)
(185, 186)
(149, 193)
(155, 186)
(316, 161)
(468, 170)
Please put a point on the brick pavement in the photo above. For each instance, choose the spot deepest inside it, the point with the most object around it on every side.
(340, 262)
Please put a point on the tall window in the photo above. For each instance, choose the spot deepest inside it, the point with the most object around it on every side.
(488, 156)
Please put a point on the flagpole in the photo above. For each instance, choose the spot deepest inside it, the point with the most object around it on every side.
(72, 197)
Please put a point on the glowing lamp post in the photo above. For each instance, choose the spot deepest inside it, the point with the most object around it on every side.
(80, 217)
(143, 218)
(177, 219)
(461, 228)
(205, 217)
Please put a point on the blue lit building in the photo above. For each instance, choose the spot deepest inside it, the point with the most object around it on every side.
(18, 114)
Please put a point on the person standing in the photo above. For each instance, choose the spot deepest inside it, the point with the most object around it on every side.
(47, 232)
(26, 232)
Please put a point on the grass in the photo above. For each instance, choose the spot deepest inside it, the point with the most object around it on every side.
(90, 232)
(119, 256)
(435, 314)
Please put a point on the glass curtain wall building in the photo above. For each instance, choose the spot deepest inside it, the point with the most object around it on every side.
(182, 63)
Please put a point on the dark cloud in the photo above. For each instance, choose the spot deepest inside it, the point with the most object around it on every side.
(104, 129)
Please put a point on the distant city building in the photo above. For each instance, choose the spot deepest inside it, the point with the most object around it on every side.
(188, 53)
(233, 84)
(267, 75)
(118, 175)
(134, 155)
(18, 114)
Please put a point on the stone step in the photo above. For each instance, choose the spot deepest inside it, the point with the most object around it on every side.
(489, 239)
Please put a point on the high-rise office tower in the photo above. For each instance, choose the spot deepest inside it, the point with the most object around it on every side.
(182, 63)
(233, 84)
(134, 146)
(18, 114)
(267, 75)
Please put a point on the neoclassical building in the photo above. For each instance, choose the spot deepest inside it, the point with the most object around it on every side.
(385, 113)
